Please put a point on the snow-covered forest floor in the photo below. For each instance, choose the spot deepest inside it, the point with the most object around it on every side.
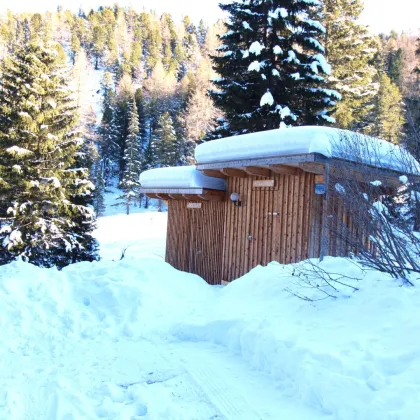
(135, 338)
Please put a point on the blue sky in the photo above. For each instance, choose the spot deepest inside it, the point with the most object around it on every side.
(380, 15)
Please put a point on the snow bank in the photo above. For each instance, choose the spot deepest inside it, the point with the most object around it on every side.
(330, 142)
(85, 342)
(71, 338)
(180, 177)
(72, 343)
(356, 357)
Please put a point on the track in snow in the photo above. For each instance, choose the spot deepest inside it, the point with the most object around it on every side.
(236, 391)
(143, 380)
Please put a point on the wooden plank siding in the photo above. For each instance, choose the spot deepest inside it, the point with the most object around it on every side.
(341, 229)
(221, 241)
(272, 224)
(194, 241)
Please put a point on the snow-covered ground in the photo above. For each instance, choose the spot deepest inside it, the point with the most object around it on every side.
(137, 235)
(135, 338)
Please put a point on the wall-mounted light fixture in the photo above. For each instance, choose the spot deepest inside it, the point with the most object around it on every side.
(236, 199)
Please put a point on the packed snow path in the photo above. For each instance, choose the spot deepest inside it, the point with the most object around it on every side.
(139, 379)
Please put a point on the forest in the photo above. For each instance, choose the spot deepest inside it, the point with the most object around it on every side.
(92, 99)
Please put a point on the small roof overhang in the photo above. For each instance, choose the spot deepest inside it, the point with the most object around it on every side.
(297, 164)
(191, 194)
(181, 177)
(309, 149)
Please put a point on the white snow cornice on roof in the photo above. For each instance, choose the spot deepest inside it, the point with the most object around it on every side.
(186, 177)
(327, 141)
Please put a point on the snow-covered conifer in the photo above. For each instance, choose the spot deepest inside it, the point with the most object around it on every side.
(108, 132)
(43, 186)
(272, 67)
(130, 180)
(350, 51)
(164, 144)
(388, 116)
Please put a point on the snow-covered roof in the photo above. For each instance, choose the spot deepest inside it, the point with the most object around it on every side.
(180, 177)
(326, 141)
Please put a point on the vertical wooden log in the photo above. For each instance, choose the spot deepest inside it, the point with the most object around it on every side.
(325, 214)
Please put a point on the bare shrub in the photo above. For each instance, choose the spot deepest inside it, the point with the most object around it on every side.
(377, 194)
(311, 276)
(370, 212)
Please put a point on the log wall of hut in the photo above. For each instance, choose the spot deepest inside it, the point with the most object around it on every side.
(343, 235)
(194, 240)
(272, 223)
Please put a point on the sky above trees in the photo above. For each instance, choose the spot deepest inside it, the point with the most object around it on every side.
(380, 15)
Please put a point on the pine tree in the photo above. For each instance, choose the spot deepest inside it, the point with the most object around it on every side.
(108, 132)
(39, 28)
(80, 29)
(412, 101)
(272, 67)
(190, 41)
(164, 143)
(396, 66)
(98, 43)
(146, 154)
(42, 183)
(388, 118)
(201, 33)
(75, 47)
(136, 58)
(161, 96)
(130, 180)
(350, 51)
(141, 108)
(125, 92)
(98, 201)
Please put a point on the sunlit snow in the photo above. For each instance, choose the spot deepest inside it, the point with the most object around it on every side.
(267, 99)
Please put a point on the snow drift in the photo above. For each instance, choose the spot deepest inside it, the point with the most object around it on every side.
(355, 357)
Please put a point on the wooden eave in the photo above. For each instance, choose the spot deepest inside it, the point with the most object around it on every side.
(295, 164)
(292, 160)
(191, 194)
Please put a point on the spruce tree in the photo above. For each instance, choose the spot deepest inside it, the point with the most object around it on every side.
(98, 201)
(108, 132)
(350, 51)
(146, 154)
(43, 185)
(98, 43)
(413, 111)
(124, 96)
(75, 47)
(396, 67)
(130, 180)
(388, 116)
(272, 67)
(164, 143)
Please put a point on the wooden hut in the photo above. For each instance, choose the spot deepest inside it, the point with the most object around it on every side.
(276, 200)
(194, 240)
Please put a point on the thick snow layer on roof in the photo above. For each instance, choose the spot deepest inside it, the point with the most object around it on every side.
(180, 177)
(327, 141)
